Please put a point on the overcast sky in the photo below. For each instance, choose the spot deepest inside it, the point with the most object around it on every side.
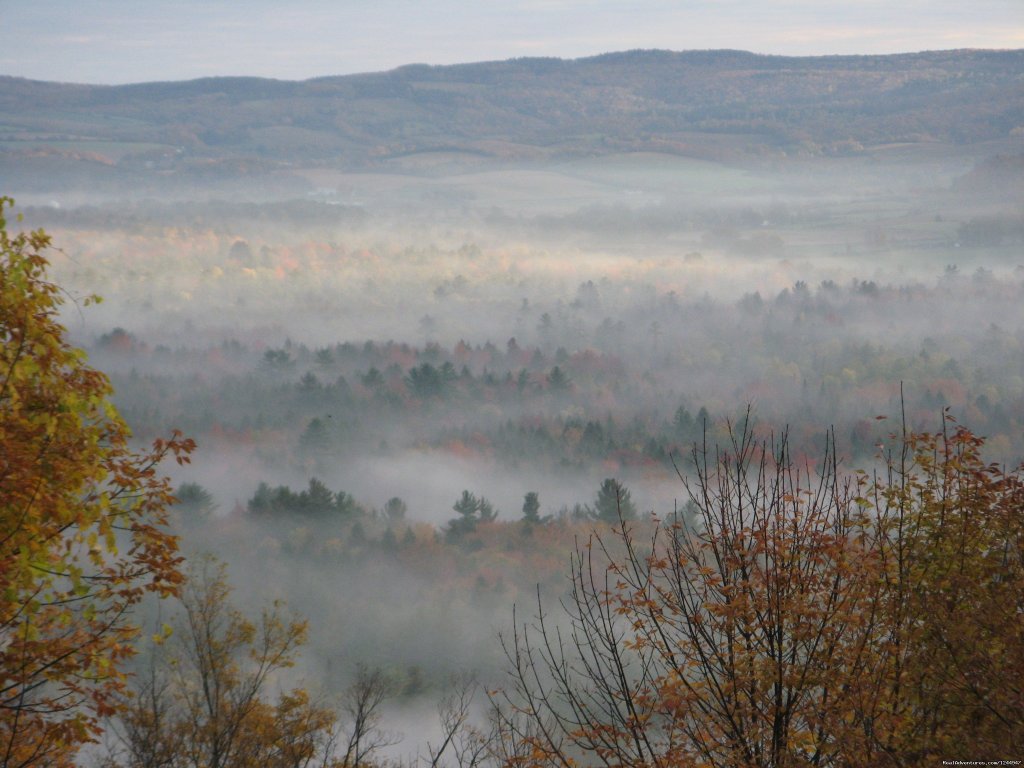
(119, 41)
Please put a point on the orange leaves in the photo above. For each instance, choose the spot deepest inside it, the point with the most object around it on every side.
(81, 537)
(799, 618)
(177, 446)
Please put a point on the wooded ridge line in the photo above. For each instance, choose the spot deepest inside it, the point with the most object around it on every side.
(715, 104)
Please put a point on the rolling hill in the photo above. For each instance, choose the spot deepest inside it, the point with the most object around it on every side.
(711, 104)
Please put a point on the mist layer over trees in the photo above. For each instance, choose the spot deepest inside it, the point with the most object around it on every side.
(418, 386)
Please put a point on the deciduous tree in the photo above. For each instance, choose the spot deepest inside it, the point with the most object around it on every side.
(82, 523)
(206, 700)
(951, 651)
(801, 618)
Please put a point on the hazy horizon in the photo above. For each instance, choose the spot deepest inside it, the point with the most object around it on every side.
(117, 42)
(584, 57)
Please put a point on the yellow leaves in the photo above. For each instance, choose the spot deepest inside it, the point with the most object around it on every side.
(212, 697)
(159, 638)
(68, 479)
(803, 741)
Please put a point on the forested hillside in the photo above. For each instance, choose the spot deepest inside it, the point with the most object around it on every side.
(709, 104)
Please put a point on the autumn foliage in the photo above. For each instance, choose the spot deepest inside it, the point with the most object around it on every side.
(790, 618)
(204, 701)
(786, 615)
(82, 535)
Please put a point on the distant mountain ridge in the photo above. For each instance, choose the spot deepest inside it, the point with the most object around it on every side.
(706, 103)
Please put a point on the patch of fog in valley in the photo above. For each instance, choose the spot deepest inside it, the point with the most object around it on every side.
(661, 287)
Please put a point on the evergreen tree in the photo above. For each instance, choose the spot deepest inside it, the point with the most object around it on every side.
(613, 503)
(194, 504)
(557, 380)
(395, 509)
(314, 440)
(487, 512)
(318, 499)
(531, 507)
(467, 507)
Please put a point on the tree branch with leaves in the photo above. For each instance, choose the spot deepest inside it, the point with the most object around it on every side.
(83, 533)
